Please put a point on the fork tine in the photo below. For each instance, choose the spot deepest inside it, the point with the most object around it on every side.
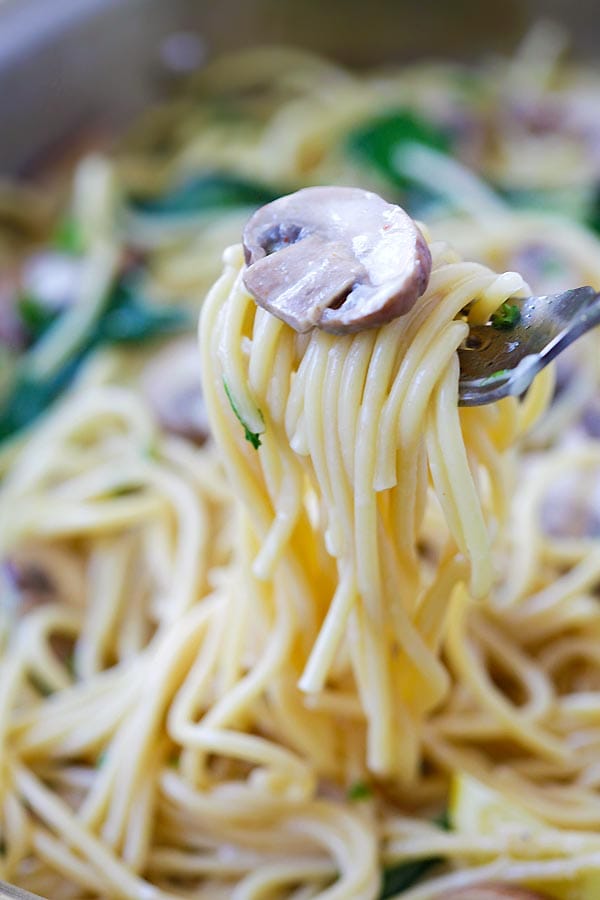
(496, 363)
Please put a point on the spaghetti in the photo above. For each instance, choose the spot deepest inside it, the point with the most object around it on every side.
(262, 665)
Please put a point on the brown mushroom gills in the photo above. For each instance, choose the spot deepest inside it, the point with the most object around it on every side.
(336, 258)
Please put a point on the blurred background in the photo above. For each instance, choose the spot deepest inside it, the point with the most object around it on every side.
(83, 66)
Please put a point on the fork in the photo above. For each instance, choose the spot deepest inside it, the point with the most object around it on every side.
(11, 892)
(497, 362)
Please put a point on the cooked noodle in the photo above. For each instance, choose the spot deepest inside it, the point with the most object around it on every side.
(263, 672)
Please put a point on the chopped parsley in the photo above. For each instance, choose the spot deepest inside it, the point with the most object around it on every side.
(40, 685)
(152, 451)
(495, 376)
(252, 436)
(68, 237)
(124, 490)
(359, 791)
(506, 317)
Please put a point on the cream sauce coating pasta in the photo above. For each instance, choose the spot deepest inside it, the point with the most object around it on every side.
(255, 672)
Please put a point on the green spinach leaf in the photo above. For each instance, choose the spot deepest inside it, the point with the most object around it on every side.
(29, 398)
(399, 878)
(36, 317)
(205, 192)
(573, 202)
(378, 142)
(127, 318)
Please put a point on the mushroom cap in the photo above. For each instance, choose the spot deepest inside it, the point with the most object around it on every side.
(338, 258)
(171, 384)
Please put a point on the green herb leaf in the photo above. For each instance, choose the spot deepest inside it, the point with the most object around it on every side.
(126, 318)
(68, 237)
(152, 451)
(573, 202)
(593, 214)
(359, 791)
(70, 665)
(469, 84)
(495, 376)
(40, 686)
(35, 316)
(29, 398)
(443, 820)
(251, 436)
(399, 878)
(205, 192)
(506, 317)
(129, 318)
(125, 490)
(378, 142)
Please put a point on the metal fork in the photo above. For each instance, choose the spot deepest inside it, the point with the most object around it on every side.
(497, 362)
(10, 892)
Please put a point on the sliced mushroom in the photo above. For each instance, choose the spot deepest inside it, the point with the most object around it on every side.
(12, 333)
(338, 258)
(52, 279)
(171, 382)
(31, 586)
(38, 574)
(590, 418)
(571, 507)
(492, 891)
